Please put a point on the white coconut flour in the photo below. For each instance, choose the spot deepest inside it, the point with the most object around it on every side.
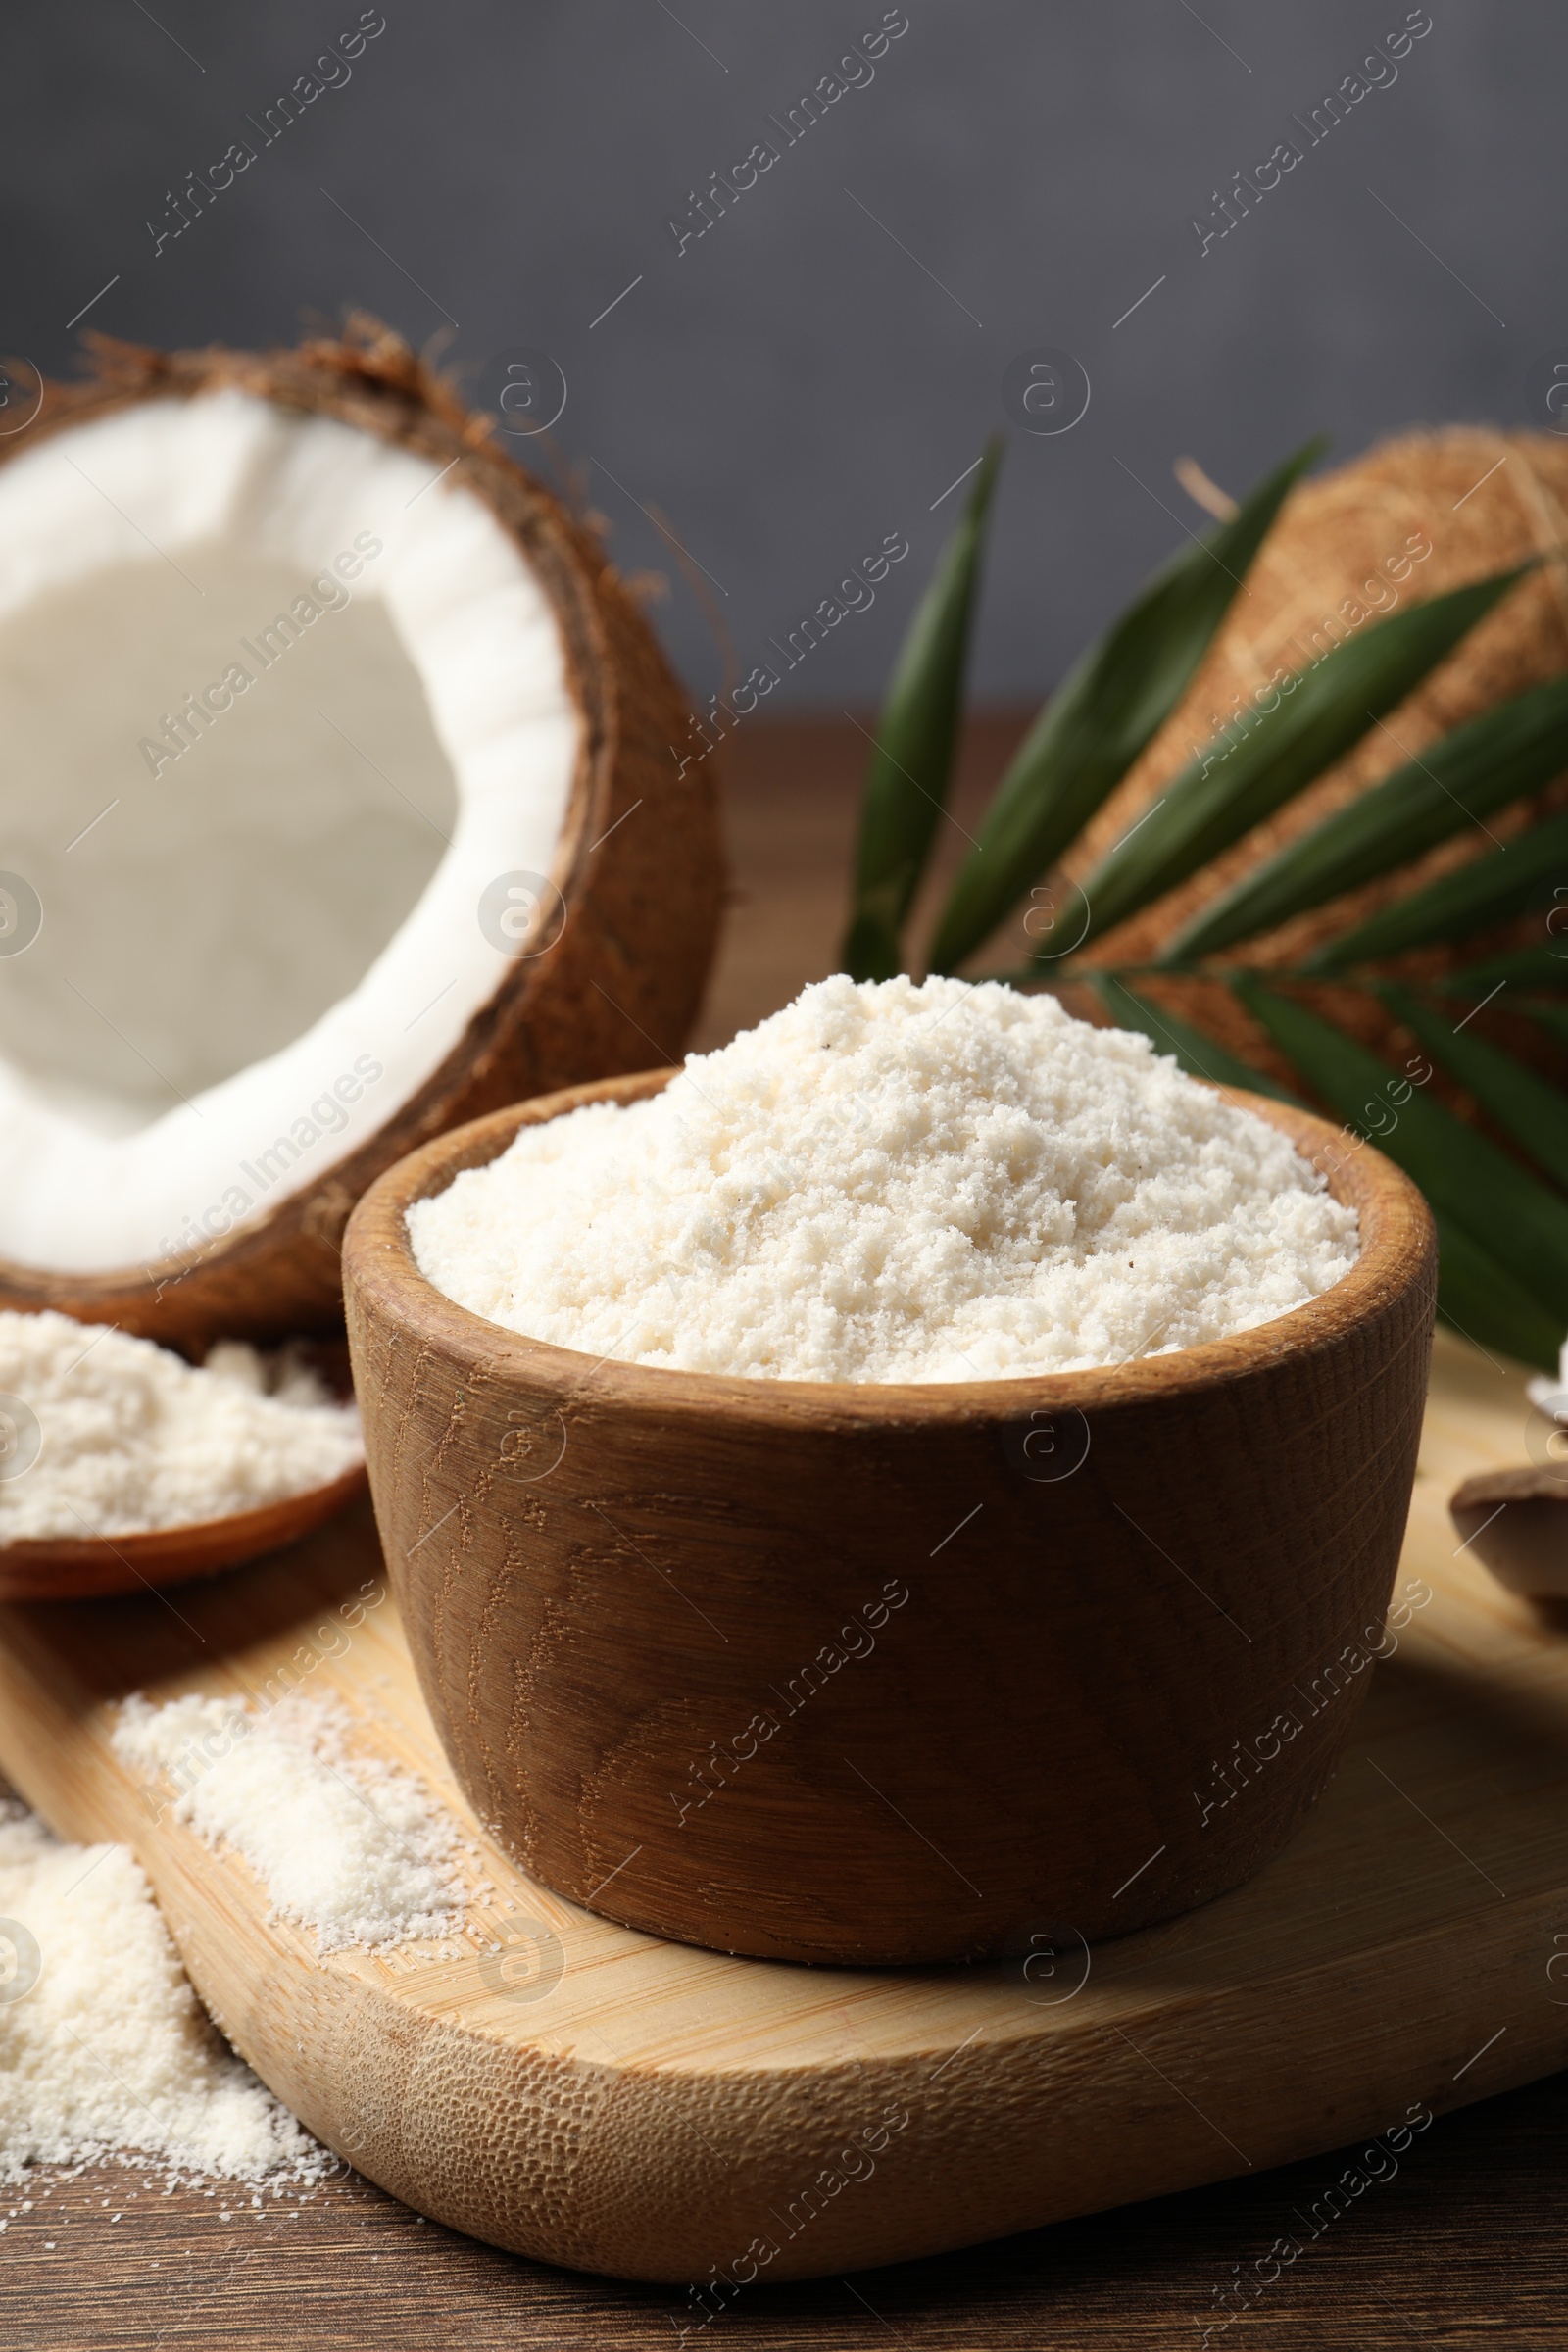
(115, 1435)
(345, 1845)
(104, 2049)
(894, 1182)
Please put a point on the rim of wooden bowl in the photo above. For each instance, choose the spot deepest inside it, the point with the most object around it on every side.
(91, 1567)
(1397, 1249)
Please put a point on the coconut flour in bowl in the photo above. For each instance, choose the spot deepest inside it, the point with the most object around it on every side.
(892, 1182)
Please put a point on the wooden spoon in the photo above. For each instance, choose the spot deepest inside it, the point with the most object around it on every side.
(84, 1567)
(1516, 1521)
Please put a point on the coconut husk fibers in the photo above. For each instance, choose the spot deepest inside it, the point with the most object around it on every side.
(1485, 500)
(619, 987)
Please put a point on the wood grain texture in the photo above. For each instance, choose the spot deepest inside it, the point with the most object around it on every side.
(613, 2103)
(881, 1675)
(641, 894)
(1461, 2251)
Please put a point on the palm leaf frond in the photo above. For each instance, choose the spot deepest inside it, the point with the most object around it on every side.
(1492, 889)
(1318, 714)
(1199, 1055)
(1508, 1213)
(911, 764)
(1553, 1019)
(1523, 1104)
(1104, 715)
(1483, 1302)
(1511, 749)
(1519, 967)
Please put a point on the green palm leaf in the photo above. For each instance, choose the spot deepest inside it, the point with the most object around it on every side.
(1492, 889)
(1507, 1213)
(1110, 706)
(1524, 967)
(1524, 1104)
(1485, 1304)
(1227, 790)
(1553, 1019)
(911, 764)
(1515, 747)
(1197, 1052)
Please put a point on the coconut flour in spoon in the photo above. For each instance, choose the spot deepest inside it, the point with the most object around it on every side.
(892, 1182)
(105, 1434)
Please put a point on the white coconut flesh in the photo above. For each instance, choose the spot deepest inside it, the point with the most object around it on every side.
(252, 953)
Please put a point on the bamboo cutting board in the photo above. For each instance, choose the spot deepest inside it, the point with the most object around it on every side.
(589, 2095)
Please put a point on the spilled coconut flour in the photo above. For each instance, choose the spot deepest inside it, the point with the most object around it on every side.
(106, 2050)
(129, 1437)
(345, 1845)
(892, 1182)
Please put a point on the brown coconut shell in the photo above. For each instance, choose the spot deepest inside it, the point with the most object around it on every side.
(620, 985)
(1485, 501)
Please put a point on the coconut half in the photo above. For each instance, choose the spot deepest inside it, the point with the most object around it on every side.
(337, 807)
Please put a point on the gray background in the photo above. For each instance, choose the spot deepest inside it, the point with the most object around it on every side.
(796, 384)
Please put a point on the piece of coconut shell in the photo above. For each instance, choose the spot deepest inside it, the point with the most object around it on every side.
(1484, 501)
(1516, 1521)
(619, 987)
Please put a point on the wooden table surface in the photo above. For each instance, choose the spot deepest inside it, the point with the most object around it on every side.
(1464, 2246)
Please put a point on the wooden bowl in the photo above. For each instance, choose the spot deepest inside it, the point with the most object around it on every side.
(870, 1674)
